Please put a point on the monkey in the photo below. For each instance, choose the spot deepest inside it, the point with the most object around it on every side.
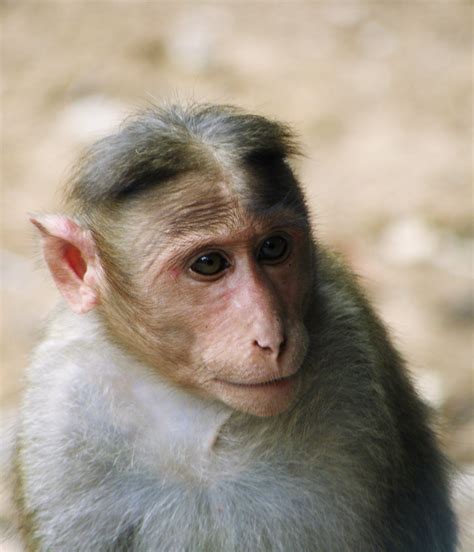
(214, 378)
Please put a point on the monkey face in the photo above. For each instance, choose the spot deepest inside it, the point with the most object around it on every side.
(243, 317)
(223, 298)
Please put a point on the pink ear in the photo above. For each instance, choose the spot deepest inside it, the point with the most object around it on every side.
(71, 255)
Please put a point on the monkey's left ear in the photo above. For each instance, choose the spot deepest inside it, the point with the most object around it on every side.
(72, 258)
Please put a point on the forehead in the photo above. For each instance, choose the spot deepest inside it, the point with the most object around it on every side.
(215, 203)
(197, 203)
(202, 207)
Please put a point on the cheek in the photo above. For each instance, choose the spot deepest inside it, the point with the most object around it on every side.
(214, 328)
(293, 288)
(210, 330)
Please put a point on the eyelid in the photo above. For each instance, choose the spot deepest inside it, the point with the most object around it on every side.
(277, 233)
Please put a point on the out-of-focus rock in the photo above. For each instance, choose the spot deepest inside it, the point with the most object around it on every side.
(407, 240)
(411, 240)
(430, 386)
(90, 117)
(456, 254)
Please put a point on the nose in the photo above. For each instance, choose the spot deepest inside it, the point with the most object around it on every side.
(273, 345)
(264, 313)
(268, 333)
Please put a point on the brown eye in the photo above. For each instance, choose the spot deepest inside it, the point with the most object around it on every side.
(273, 249)
(210, 264)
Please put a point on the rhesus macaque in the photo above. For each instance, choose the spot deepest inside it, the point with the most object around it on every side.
(214, 379)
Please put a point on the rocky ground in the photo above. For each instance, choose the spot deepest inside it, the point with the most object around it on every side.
(380, 93)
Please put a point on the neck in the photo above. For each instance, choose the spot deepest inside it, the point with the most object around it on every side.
(182, 427)
(174, 426)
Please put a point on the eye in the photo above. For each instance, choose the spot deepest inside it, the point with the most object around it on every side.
(210, 264)
(274, 249)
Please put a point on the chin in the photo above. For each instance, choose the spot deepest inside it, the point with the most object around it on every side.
(263, 400)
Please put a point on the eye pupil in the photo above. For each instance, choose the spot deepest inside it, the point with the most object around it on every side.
(209, 264)
(209, 261)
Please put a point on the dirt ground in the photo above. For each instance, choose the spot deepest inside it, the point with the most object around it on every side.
(381, 96)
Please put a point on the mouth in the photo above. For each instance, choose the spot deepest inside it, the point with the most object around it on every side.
(265, 384)
(265, 396)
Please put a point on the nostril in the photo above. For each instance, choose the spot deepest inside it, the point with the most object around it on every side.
(262, 346)
(270, 348)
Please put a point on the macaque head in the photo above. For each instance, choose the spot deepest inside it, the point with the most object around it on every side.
(189, 236)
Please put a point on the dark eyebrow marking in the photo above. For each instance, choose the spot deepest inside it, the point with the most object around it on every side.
(160, 143)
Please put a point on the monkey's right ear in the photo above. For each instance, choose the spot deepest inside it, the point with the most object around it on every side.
(72, 258)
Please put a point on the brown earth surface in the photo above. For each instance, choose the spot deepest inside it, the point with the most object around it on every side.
(381, 96)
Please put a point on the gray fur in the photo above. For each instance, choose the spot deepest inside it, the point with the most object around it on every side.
(339, 472)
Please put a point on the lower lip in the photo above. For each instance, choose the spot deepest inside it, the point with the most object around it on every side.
(272, 384)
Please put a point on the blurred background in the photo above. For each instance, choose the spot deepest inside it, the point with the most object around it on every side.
(380, 94)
